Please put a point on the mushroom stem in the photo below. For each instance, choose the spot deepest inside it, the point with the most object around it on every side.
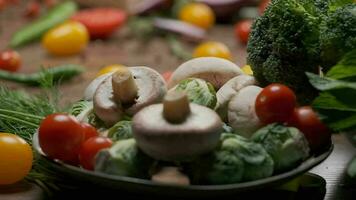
(176, 107)
(124, 86)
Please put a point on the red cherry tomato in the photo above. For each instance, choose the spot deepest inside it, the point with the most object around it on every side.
(242, 30)
(275, 103)
(167, 75)
(89, 150)
(307, 121)
(263, 6)
(32, 9)
(89, 131)
(60, 137)
(10, 60)
(101, 22)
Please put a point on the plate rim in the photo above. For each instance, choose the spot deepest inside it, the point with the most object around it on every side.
(307, 165)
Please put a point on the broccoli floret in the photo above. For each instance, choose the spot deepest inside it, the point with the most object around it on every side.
(338, 35)
(284, 44)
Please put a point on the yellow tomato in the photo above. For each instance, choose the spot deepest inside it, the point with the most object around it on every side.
(198, 14)
(108, 69)
(15, 158)
(66, 39)
(247, 70)
(212, 49)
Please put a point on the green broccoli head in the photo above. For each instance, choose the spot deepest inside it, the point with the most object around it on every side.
(287, 145)
(338, 35)
(284, 44)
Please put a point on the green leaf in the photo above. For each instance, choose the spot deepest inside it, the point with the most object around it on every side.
(351, 169)
(326, 84)
(345, 69)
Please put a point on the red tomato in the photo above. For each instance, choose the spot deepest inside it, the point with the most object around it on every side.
(101, 22)
(89, 131)
(32, 9)
(167, 75)
(263, 5)
(2, 4)
(60, 137)
(89, 150)
(242, 30)
(307, 121)
(10, 60)
(275, 103)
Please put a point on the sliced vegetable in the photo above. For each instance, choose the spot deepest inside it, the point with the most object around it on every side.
(36, 29)
(66, 39)
(101, 22)
(10, 61)
(212, 49)
(183, 28)
(275, 103)
(60, 137)
(15, 158)
(58, 74)
(90, 148)
(198, 14)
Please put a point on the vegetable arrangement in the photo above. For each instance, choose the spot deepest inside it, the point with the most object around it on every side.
(142, 121)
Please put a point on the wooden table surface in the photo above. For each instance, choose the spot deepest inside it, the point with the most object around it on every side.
(122, 48)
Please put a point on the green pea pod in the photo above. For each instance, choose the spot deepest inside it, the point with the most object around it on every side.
(35, 30)
(59, 73)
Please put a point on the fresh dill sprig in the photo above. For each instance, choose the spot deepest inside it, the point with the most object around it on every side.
(21, 114)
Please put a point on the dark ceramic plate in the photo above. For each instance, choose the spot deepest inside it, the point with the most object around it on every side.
(149, 188)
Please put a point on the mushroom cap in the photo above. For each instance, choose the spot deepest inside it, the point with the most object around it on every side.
(227, 91)
(151, 88)
(241, 111)
(197, 135)
(104, 105)
(93, 85)
(215, 70)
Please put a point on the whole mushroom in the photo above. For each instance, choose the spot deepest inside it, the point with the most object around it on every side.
(126, 91)
(176, 130)
(241, 111)
(227, 92)
(216, 71)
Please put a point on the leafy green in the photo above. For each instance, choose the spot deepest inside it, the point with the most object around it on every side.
(336, 102)
(287, 145)
(198, 91)
(351, 169)
(121, 131)
(125, 159)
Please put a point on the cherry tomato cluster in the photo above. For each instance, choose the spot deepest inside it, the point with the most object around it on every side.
(63, 137)
(277, 103)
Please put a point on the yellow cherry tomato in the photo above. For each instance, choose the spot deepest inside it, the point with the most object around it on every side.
(212, 49)
(66, 39)
(247, 70)
(108, 69)
(197, 14)
(15, 158)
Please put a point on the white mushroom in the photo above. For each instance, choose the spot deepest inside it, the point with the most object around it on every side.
(227, 91)
(171, 175)
(217, 71)
(176, 130)
(241, 111)
(127, 91)
(90, 90)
